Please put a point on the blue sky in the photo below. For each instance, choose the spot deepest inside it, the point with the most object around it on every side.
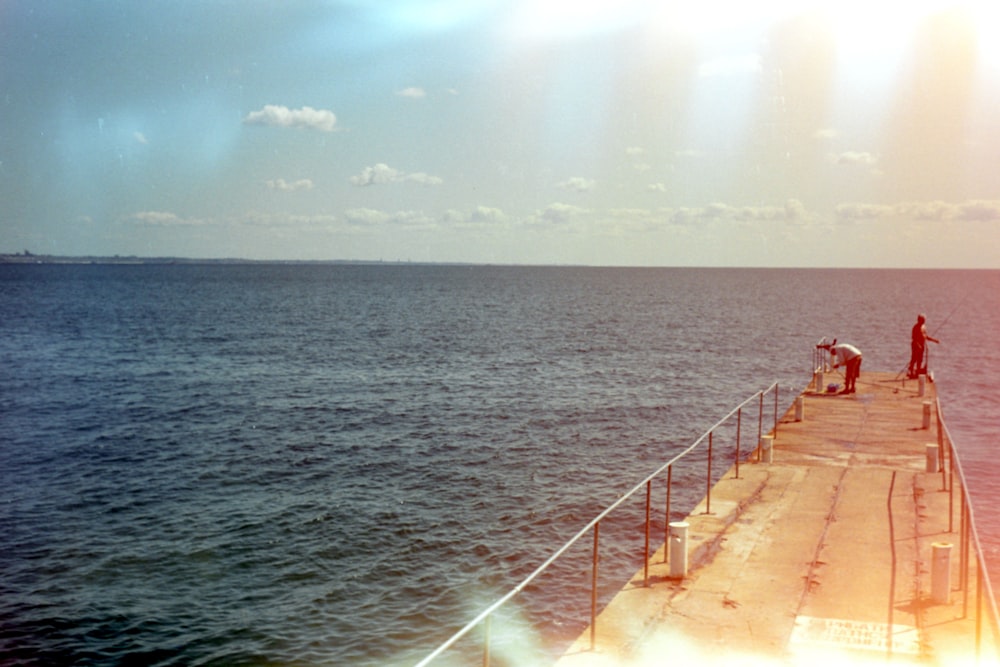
(607, 132)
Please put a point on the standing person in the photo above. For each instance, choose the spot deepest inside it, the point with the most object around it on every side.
(844, 354)
(918, 346)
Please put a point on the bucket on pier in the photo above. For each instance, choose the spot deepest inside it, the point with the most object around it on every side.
(941, 572)
(932, 457)
(767, 448)
(678, 549)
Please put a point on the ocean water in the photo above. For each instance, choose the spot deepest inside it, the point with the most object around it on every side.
(341, 465)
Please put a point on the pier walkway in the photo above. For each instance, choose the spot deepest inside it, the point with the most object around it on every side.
(798, 561)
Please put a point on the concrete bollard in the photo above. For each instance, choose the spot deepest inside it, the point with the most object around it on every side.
(932, 458)
(923, 385)
(678, 549)
(941, 572)
(927, 413)
(820, 387)
(800, 408)
(767, 448)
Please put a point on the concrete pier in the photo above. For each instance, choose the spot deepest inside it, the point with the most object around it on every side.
(798, 562)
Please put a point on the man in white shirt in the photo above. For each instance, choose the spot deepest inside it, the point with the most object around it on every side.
(843, 354)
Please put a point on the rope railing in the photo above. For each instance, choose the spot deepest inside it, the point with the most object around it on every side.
(953, 481)
(971, 549)
(594, 526)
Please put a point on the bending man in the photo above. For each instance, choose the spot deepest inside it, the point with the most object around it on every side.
(843, 354)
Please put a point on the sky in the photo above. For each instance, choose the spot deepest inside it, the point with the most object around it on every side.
(595, 132)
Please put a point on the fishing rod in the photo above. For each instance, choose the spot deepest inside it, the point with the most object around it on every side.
(927, 348)
(953, 311)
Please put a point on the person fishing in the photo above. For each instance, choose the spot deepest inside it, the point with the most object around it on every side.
(844, 354)
(918, 348)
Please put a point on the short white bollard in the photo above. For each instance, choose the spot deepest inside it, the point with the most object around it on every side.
(927, 413)
(678, 549)
(932, 457)
(767, 449)
(800, 408)
(820, 387)
(923, 384)
(941, 572)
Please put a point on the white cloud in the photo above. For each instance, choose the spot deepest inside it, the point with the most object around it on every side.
(281, 116)
(382, 174)
(559, 213)
(412, 92)
(635, 151)
(290, 186)
(973, 210)
(288, 220)
(657, 187)
(577, 183)
(140, 137)
(365, 216)
(164, 219)
(423, 179)
(368, 217)
(791, 210)
(825, 134)
(480, 215)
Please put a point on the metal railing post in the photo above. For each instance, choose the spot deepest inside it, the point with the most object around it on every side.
(980, 573)
(892, 579)
(739, 419)
(776, 410)
(708, 478)
(593, 589)
(486, 642)
(760, 424)
(666, 521)
(645, 553)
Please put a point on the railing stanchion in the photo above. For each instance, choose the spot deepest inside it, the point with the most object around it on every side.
(593, 589)
(966, 538)
(980, 573)
(708, 478)
(942, 450)
(739, 419)
(760, 424)
(486, 641)
(951, 493)
(666, 517)
(776, 392)
(645, 553)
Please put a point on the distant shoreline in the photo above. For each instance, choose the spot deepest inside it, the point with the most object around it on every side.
(30, 258)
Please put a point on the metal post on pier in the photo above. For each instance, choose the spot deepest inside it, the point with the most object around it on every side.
(708, 478)
(486, 642)
(645, 553)
(739, 423)
(593, 589)
(666, 522)
(760, 424)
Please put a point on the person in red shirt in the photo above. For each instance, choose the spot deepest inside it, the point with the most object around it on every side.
(918, 347)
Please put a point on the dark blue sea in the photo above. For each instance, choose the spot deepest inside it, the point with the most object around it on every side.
(267, 464)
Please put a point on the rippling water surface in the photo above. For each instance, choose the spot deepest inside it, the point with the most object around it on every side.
(271, 464)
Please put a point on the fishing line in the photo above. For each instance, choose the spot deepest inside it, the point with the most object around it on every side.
(953, 311)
